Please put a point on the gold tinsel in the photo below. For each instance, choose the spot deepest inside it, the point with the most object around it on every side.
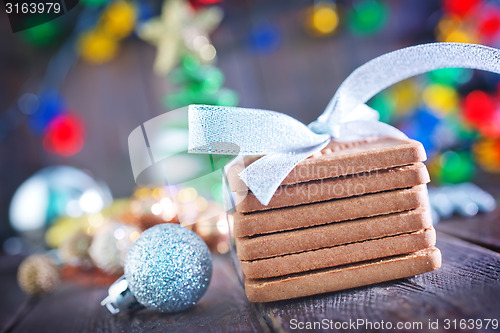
(75, 249)
(38, 274)
(110, 246)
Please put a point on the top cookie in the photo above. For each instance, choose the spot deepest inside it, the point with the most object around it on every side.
(341, 159)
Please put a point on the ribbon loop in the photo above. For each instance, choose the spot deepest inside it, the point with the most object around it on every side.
(255, 132)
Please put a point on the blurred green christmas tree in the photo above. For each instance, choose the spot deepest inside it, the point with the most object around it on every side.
(198, 84)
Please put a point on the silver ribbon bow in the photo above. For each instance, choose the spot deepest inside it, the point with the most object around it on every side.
(283, 140)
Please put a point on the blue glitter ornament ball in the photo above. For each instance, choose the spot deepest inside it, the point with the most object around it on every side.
(169, 267)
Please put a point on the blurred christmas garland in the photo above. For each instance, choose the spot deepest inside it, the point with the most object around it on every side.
(455, 113)
(181, 33)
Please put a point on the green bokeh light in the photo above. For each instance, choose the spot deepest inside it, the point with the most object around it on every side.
(367, 17)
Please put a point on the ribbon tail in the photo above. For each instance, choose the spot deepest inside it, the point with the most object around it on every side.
(264, 176)
(356, 130)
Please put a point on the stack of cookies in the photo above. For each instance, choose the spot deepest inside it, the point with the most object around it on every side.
(354, 214)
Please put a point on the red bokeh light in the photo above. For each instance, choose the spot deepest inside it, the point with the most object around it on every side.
(64, 135)
(201, 3)
(480, 110)
(459, 7)
(489, 24)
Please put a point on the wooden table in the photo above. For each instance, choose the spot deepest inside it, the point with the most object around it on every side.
(467, 286)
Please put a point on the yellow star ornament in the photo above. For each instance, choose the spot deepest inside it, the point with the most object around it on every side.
(180, 30)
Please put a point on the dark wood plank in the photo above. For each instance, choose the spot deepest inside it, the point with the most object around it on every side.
(13, 301)
(483, 229)
(467, 286)
(76, 309)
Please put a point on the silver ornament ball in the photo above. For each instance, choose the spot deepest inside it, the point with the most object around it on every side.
(169, 267)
